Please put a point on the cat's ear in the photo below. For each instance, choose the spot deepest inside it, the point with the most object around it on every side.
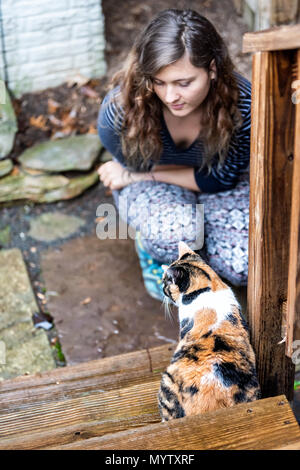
(183, 248)
(164, 267)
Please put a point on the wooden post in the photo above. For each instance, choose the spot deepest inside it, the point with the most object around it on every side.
(271, 171)
(283, 12)
(293, 302)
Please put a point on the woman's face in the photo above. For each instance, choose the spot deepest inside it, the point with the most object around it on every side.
(182, 87)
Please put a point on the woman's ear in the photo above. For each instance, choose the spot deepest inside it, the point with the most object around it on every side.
(213, 69)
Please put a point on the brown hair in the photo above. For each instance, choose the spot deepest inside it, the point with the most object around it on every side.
(170, 35)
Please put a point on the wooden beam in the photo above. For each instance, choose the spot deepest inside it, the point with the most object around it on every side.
(293, 300)
(275, 39)
(260, 425)
(272, 141)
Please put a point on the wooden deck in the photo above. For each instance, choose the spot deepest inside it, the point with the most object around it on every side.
(112, 404)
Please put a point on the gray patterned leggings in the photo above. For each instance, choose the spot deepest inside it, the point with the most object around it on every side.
(226, 222)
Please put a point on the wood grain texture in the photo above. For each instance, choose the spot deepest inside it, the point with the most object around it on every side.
(293, 300)
(80, 418)
(272, 143)
(86, 378)
(274, 39)
(264, 424)
(284, 11)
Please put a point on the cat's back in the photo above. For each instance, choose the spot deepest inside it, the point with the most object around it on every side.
(214, 364)
(212, 367)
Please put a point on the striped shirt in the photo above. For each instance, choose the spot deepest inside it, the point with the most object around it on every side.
(219, 179)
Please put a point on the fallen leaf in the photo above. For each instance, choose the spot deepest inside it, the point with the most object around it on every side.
(78, 80)
(99, 219)
(52, 105)
(32, 172)
(15, 171)
(39, 122)
(86, 301)
(55, 121)
(61, 134)
(92, 130)
(88, 91)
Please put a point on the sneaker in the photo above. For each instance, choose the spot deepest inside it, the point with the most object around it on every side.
(151, 270)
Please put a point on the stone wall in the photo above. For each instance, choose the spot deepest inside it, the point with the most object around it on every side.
(44, 43)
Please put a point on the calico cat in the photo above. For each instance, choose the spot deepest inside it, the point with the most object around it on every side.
(213, 365)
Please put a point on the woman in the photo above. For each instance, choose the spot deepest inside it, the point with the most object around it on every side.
(177, 122)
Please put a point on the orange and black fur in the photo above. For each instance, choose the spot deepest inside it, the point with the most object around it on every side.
(213, 365)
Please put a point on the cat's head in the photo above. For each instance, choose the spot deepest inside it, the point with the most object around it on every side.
(189, 274)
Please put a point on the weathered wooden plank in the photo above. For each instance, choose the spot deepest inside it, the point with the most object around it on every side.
(80, 418)
(261, 425)
(293, 300)
(283, 12)
(91, 377)
(272, 141)
(276, 39)
(294, 446)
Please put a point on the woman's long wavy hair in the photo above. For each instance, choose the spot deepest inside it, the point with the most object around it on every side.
(170, 35)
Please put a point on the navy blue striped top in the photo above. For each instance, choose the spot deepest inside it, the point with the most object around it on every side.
(219, 179)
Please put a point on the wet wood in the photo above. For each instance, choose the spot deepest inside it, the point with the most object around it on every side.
(261, 425)
(293, 301)
(64, 421)
(271, 169)
(96, 376)
(275, 39)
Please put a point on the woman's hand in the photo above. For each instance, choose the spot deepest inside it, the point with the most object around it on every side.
(113, 175)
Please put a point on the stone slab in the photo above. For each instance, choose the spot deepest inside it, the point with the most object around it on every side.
(44, 187)
(77, 152)
(27, 349)
(53, 225)
(101, 307)
(5, 167)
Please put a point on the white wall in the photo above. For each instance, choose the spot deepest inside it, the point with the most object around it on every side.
(47, 42)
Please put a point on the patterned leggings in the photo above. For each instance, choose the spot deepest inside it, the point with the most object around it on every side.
(226, 222)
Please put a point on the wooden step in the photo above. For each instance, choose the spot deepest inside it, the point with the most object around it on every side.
(82, 401)
(96, 376)
(262, 425)
(112, 404)
(68, 420)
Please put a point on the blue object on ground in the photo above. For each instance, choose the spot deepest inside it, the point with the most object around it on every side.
(151, 270)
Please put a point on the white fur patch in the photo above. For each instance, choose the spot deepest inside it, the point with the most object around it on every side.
(208, 378)
(211, 378)
(221, 301)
